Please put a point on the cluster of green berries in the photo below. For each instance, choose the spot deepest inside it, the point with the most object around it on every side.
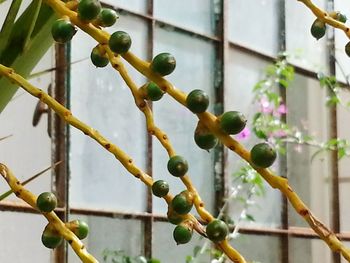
(46, 203)
(318, 27)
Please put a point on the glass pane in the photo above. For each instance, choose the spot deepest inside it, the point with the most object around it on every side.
(305, 50)
(342, 65)
(139, 6)
(263, 249)
(28, 150)
(245, 71)
(108, 235)
(21, 238)
(192, 14)
(166, 250)
(110, 110)
(344, 168)
(308, 177)
(249, 26)
(308, 251)
(177, 121)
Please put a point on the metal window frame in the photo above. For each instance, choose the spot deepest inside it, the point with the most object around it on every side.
(223, 45)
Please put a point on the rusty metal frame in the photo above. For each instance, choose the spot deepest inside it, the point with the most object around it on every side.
(222, 45)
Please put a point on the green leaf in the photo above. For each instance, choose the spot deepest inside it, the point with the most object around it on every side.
(8, 23)
(250, 217)
(24, 62)
(35, 12)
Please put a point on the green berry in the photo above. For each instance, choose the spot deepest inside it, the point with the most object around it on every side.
(120, 42)
(174, 217)
(79, 227)
(97, 59)
(50, 239)
(154, 93)
(88, 10)
(197, 101)
(177, 166)
(217, 230)
(46, 202)
(232, 122)
(160, 188)
(163, 64)
(182, 203)
(318, 29)
(204, 138)
(338, 16)
(182, 234)
(107, 17)
(263, 155)
(62, 31)
(347, 49)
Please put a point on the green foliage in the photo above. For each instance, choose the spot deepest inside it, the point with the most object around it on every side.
(23, 44)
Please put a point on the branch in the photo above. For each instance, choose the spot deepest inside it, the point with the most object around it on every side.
(325, 17)
(54, 220)
(123, 158)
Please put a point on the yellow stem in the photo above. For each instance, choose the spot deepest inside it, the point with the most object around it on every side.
(210, 120)
(125, 160)
(154, 130)
(325, 17)
(55, 222)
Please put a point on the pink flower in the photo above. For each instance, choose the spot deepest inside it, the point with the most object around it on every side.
(244, 134)
(265, 106)
(279, 134)
(282, 109)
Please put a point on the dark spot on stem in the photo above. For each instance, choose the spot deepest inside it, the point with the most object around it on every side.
(82, 247)
(164, 88)
(232, 148)
(201, 204)
(107, 146)
(138, 175)
(165, 137)
(130, 161)
(142, 105)
(70, 241)
(17, 193)
(18, 182)
(303, 212)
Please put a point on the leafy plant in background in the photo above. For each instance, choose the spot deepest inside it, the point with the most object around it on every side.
(19, 37)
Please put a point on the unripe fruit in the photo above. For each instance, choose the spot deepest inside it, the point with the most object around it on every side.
(163, 64)
(88, 10)
(217, 230)
(50, 239)
(160, 188)
(347, 49)
(97, 59)
(197, 101)
(263, 155)
(232, 122)
(62, 31)
(318, 29)
(46, 202)
(107, 17)
(120, 42)
(182, 234)
(338, 16)
(174, 217)
(79, 227)
(182, 203)
(177, 166)
(204, 138)
(153, 92)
